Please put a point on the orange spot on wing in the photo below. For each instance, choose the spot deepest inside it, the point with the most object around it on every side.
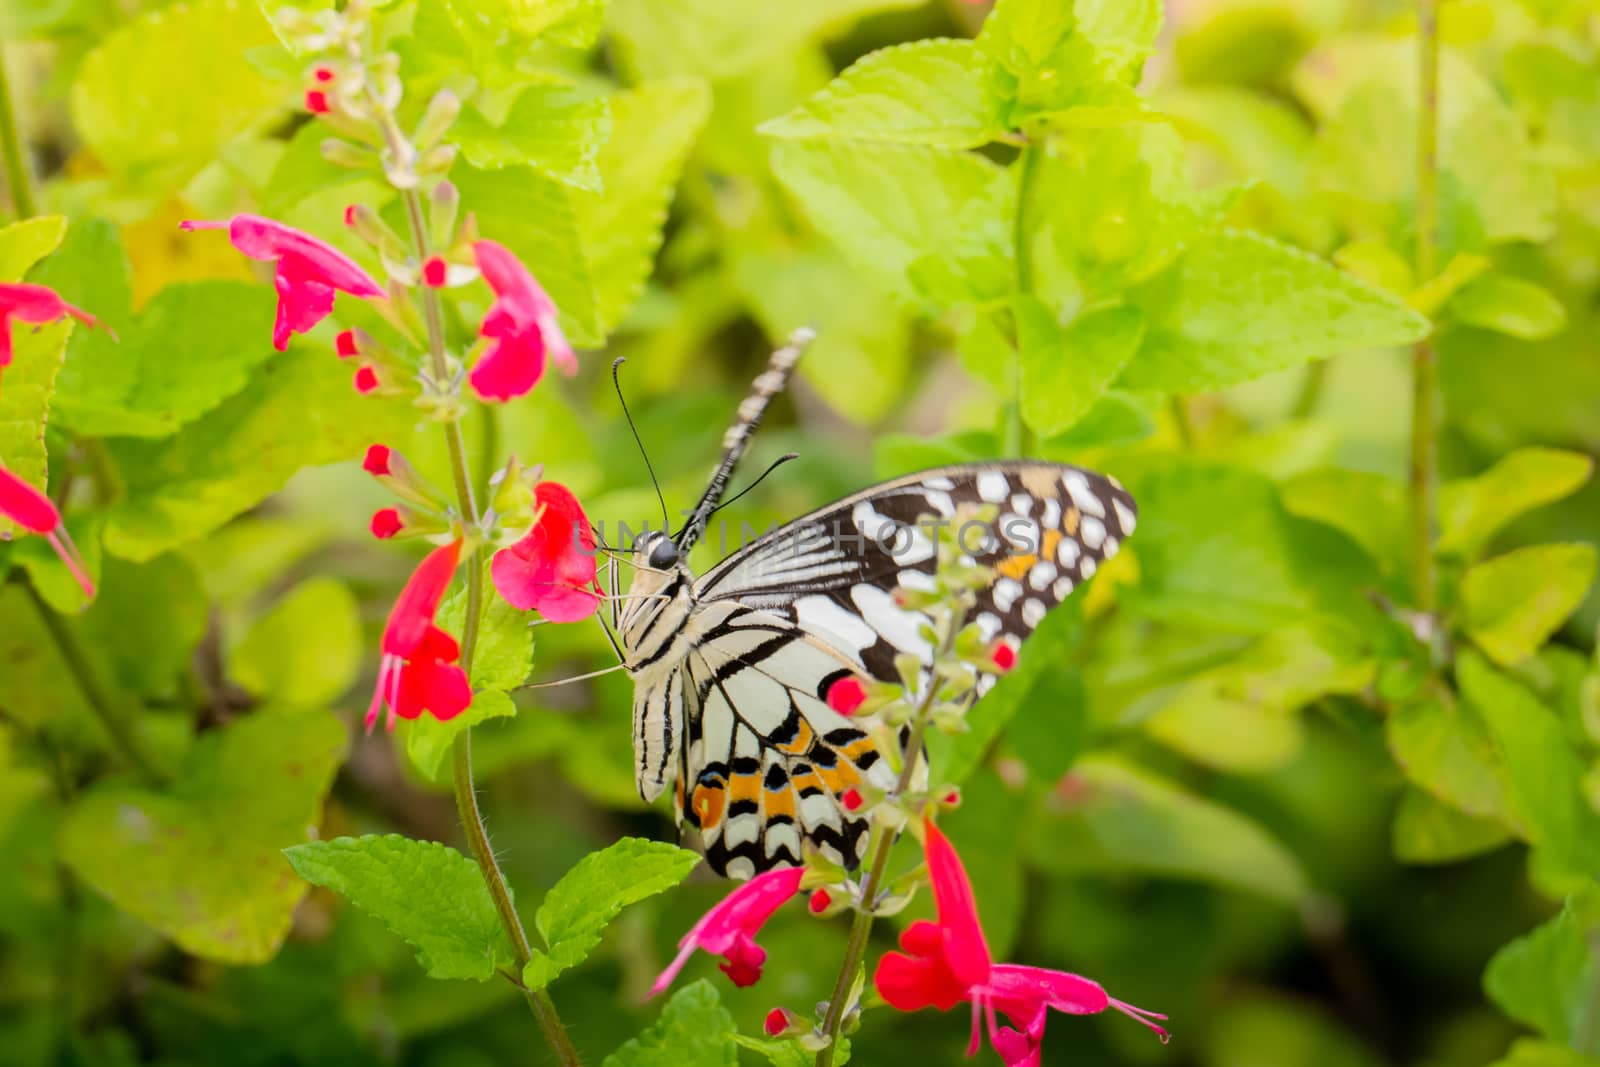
(857, 748)
(709, 801)
(1016, 566)
(802, 742)
(744, 787)
(839, 778)
(779, 802)
(1069, 521)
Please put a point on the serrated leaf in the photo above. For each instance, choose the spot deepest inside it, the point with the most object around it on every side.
(158, 98)
(932, 92)
(580, 906)
(694, 1030)
(1120, 818)
(653, 128)
(297, 410)
(1109, 208)
(1427, 830)
(1547, 978)
(1240, 305)
(1510, 306)
(1543, 773)
(556, 130)
(1066, 369)
(429, 740)
(780, 1052)
(1511, 604)
(1473, 510)
(201, 861)
(306, 651)
(427, 893)
(1055, 53)
(24, 243)
(715, 39)
(1447, 751)
(928, 226)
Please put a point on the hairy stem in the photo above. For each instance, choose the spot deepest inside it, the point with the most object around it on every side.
(1424, 465)
(861, 925)
(466, 793)
(19, 176)
(106, 709)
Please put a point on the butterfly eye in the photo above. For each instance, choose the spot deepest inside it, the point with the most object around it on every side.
(663, 555)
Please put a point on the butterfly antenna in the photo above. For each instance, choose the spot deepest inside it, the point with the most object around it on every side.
(767, 385)
(616, 366)
(780, 461)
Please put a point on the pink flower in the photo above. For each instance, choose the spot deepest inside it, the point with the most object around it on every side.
(418, 671)
(317, 102)
(521, 325)
(435, 272)
(552, 568)
(366, 380)
(386, 522)
(729, 929)
(344, 345)
(948, 961)
(309, 271)
(32, 510)
(33, 304)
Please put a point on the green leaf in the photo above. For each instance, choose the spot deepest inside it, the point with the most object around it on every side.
(504, 653)
(930, 92)
(1548, 978)
(158, 98)
(500, 43)
(1510, 306)
(1116, 817)
(1120, 32)
(1447, 751)
(25, 395)
(653, 127)
(1110, 208)
(427, 893)
(1427, 830)
(1543, 773)
(556, 130)
(1368, 508)
(580, 906)
(694, 1030)
(1511, 604)
(428, 740)
(306, 651)
(928, 226)
(39, 683)
(298, 410)
(1473, 510)
(781, 1052)
(1527, 1053)
(201, 860)
(1066, 369)
(24, 243)
(146, 620)
(1054, 53)
(1494, 186)
(715, 39)
(1239, 305)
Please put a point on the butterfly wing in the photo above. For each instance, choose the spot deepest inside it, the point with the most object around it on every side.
(833, 572)
(766, 758)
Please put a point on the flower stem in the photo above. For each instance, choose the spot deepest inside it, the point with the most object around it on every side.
(107, 710)
(1424, 465)
(466, 792)
(19, 177)
(861, 925)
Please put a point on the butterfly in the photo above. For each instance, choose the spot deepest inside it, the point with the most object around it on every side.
(732, 669)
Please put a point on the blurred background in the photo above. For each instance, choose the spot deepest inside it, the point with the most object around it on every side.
(1196, 795)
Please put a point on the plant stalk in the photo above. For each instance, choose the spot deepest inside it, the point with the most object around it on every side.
(1424, 462)
(861, 925)
(466, 794)
(122, 732)
(19, 176)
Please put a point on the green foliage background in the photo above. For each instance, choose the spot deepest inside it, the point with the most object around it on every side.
(1239, 779)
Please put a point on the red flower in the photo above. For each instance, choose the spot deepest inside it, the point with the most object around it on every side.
(317, 102)
(309, 272)
(419, 672)
(551, 569)
(780, 1022)
(386, 522)
(376, 462)
(34, 304)
(730, 928)
(521, 325)
(322, 73)
(32, 510)
(819, 901)
(435, 272)
(1003, 656)
(344, 345)
(948, 961)
(846, 694)
(366, 380)
(851, 799)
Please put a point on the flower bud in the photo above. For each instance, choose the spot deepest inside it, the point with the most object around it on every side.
(367, 225)
(342, 153)
(366, 380)
(781, 1022)
(443, 204)
(317, 102)
(401, 478)
(386, 522)
(437, 119)
(437, 159)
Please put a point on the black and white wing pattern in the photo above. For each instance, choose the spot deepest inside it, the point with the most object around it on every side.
(763, 760)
